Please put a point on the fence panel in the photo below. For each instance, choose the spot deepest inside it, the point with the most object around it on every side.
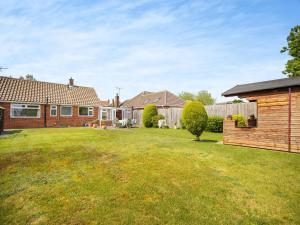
(245, 109)
(173, 115)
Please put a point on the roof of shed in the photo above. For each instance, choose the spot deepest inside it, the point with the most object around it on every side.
(162, 98)
(28, 91)
(261, 86)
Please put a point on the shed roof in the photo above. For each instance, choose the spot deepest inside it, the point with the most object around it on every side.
(162, 98)
(28, 91)
(261, 86)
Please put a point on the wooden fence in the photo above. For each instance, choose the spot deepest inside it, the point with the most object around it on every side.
(173, 115)
(245, 109)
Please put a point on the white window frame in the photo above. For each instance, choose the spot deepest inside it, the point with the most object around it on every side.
(66, 115)
(51, 108)
(102, 111)
(90, 109)
(25, 106)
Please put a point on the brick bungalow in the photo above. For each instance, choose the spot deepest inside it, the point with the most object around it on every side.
(32, 104)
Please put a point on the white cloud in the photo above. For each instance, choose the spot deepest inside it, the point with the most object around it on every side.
(141, 45)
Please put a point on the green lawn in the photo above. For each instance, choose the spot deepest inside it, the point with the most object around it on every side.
(143, 176)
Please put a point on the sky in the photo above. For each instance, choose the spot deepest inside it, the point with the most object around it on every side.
(152, 45)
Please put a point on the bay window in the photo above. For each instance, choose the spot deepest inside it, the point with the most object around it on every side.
(25, 111)
(66, 110)
(86, 111)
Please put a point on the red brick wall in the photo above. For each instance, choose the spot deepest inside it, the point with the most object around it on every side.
(59, 121)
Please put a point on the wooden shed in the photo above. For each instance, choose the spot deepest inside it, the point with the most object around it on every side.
(278, 115)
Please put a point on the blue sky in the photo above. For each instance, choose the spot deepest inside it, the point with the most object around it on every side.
(179, 45)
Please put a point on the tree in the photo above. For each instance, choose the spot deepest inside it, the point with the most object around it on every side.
(235, 101)
(202, 96)
(28, 77)
(292, 67)
(186, 96)
(150, 111)
(205, 97)
(194, 118)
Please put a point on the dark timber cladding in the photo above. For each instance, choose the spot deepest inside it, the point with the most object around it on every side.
(278, 115)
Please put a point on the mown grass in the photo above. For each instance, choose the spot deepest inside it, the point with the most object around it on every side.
(143, 176)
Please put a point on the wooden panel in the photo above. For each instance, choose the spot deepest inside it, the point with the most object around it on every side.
(272, 123)
(245, 109)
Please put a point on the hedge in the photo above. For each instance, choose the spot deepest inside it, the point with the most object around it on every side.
(215, 124)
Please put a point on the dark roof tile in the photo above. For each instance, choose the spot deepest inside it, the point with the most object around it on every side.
(261, 86)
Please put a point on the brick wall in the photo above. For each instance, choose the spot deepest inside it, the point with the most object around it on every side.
(59, 121)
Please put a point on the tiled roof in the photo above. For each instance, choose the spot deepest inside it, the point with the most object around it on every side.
(163, 98)
(261, 86)
(27, 91)
(105, 103)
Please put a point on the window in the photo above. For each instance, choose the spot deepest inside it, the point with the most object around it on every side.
(66, 110)
(103, 114)
(53, 110)
(86, 111)
(25, 111)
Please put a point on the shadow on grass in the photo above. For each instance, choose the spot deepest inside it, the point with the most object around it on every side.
(206, 141)
(11, 132)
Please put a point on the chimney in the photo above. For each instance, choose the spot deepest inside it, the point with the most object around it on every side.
(71, 82)
(113, 102)
(117, 100)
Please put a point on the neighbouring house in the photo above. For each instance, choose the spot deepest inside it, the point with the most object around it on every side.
(30, 104)
(278, 115)
(168, 104)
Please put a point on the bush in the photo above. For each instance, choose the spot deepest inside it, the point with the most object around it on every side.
(182, 124)
(155, 120)
(240, 120)
(194, 118)
(150, 111)
(215, 124)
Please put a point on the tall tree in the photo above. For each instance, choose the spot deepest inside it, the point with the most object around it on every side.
(28, 77)
(292, 67)
(186, 96)
(205, 97)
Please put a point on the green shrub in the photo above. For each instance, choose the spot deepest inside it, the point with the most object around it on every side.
(194, 118)
(150, 111)
(182, 124)
(155, 120)
(215, 124)
(240, 120)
